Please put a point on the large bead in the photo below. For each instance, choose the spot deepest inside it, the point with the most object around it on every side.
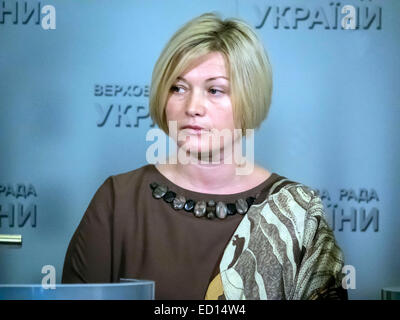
(210, 207)
(241, 206)
(250, 201)
(231, 208)
(189, 205)
(169, 196)
(160, 191)
(153, 185)
(178, 202)
(211, 203)
(200, 209)
(210, 215)
(221, 210)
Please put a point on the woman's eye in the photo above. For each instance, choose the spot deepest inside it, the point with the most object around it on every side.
(214, 91)
(177, 89)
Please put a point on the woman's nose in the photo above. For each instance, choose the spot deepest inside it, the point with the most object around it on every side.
(195, 104)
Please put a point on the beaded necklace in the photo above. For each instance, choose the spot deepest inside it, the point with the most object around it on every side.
(202, 208)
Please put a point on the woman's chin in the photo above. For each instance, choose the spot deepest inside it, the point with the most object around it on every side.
(203, 153)
(194, 149)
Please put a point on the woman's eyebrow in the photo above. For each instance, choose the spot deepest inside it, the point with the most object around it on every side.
(209, 79)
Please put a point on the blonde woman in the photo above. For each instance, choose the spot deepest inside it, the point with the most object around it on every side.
(196, 225)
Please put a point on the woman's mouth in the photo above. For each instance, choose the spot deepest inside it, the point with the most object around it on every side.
(193, 129)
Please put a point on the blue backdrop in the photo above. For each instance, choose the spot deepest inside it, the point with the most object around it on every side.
(74, 85)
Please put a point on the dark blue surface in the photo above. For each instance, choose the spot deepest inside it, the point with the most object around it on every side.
(127, 290)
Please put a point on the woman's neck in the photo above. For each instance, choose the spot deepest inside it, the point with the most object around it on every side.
(221, 178)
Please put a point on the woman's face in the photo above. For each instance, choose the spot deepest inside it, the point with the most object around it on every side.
(199, 101)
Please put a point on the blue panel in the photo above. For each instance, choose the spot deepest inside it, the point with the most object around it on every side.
(74, 110)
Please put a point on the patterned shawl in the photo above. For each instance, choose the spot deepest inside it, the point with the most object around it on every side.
(282, 249)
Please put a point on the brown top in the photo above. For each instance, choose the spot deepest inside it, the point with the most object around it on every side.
(126, 233)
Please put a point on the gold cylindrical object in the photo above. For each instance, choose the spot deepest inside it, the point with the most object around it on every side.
(10, 239)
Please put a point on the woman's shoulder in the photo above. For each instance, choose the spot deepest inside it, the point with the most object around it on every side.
(132, 175)
(280, 188)
(127, 182)
(290, 205)
(286, 189)
(290, 201)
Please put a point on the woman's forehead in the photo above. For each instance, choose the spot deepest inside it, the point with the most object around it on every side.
(209, 67)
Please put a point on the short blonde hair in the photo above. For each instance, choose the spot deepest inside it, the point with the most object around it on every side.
(250, 72)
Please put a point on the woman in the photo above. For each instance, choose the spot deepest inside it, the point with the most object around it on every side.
(206, 224)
